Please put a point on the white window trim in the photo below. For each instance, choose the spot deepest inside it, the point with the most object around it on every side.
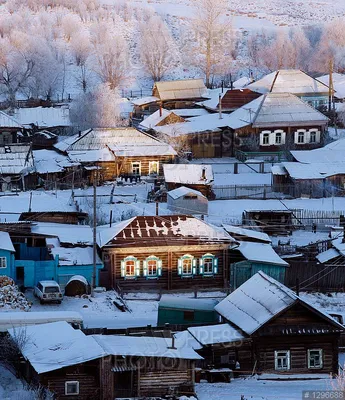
(136, 162)
(283, 135)
(321, 358)
(304, 136)
(276, 360)
(317, 135)
(150, 167)
(262, 138)
(124, 267)
(193, 267)
(3, 262)
(72, 382)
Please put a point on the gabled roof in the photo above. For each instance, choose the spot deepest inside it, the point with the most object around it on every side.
(180, 90)
(184, 191)
(289, 81)
(315, 170)
(6, 242)
(261, 253)
(67, 233)
(122, 142)
(49, 161)
(260, 299)
(192, 174)
(157, 119)
(331, 153)
(338, 83)
(216, 334)
(284, 109)
(244, 233)
(57, 345)
(161, 228)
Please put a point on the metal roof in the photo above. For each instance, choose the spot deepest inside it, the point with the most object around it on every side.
(180, 90)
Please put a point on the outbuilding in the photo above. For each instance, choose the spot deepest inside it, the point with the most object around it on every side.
(187, 201)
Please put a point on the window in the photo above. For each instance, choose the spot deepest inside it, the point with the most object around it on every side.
(312, 137)
(3, 262)
(282, 360)
(208, 265)
(190, 197)
(265, 139)
(187, 265)
(136, 168)
(188, 315)
(153, 167)
(130, 267)
(300, 136)
(315, 358)
(71, 388)
(279, 138)
(152, 267)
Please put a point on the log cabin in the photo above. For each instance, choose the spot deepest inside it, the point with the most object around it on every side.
(10, 129)
(117, 152)
(305, 338)
(72, 365)
(164, 253)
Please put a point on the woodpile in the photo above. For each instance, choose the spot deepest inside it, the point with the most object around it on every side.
(10, 296)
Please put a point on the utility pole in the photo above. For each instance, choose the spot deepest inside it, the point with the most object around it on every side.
(330, 86)
(94, 231)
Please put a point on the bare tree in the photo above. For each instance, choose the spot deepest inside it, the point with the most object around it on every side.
(10, 350)
(81, 50)
(156, 47)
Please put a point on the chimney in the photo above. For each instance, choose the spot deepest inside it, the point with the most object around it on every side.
(79, 133)
(222, 86)
(203, 174)
(160, 110)
(220, 107)
(157, 209)
(172, 343)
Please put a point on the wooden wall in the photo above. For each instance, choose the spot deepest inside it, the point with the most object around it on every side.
(170, 280)
(124, 164)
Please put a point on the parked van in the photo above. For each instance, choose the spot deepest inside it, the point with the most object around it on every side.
(13, 319)
(48, 291)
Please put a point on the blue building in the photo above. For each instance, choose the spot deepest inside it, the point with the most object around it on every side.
(6, 255)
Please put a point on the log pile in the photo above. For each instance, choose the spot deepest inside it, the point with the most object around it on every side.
(10, 296)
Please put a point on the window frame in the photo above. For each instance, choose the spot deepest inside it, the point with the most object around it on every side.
(265, 134)
(159, 266)
(3, 262)
(150, 167)
(320, 351)
(74, 383)
(214, 259)
(277, 358)
(180, 264)
(124, 267)
(301, 132)
(139, 167)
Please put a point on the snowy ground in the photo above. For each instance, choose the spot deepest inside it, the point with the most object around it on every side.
(12, 388)
(259, 390)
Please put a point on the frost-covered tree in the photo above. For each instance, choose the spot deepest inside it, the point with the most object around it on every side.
(157, 47)
(211, 37)
(81, 50)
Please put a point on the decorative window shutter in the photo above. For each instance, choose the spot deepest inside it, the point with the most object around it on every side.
(283, 137)
(261, 139)
(145, 268)
(296, 137)
(123, 269)
(215, 265)
(201, 266)
(307, 137)
(194, 266)
(272, 140)
(159, 268)
(318, 136)
(179, 266)
(137, 268)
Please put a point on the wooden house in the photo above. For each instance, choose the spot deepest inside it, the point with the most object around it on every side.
(271, 222)
(117, 152)
(186, 311)
(42, 139)
(184, 200)
(16, 167)
(161, 117)
(197, 177)
(272, 330)
(10, 129)
(164, 253)
(62, 217)
(75, 366)
(294, 81)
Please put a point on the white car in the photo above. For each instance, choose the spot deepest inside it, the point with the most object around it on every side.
(48, 291)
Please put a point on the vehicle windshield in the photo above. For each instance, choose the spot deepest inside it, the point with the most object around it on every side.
(51, 289)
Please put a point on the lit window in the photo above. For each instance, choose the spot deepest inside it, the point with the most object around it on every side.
(187, 265)
(282, 360)
(3, 262)
(136, 168)
(208, 265)
(71, 388)
(130, 267)
(315, 358)
(152, 267)
(153, 167)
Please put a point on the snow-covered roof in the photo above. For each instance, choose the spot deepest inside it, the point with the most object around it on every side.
(339, 245)
(214, 334)
(69, 256)
(43, 117)
(122, 142)
(258, 300)
(6, 242)
(338, 83)
(242, 82)
(185, 339)
(66, 233)
(315, 170)
(16, 159)
(144, 346)
(156, 118)
(6, 121)
(57, 345)
(145, 100)
(286, 109)
(65, 141)
(331, 153)
(289, 81)
(260, 252)
(181, 89)
(327, 255)
(184, 191)
(188, 173)
(163, 227)
(183, 303)
(190, 112)
(49, 161)
(249, 233)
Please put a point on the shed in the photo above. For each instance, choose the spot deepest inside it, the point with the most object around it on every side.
(77, 286)
(185, 311)
(187, 201)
